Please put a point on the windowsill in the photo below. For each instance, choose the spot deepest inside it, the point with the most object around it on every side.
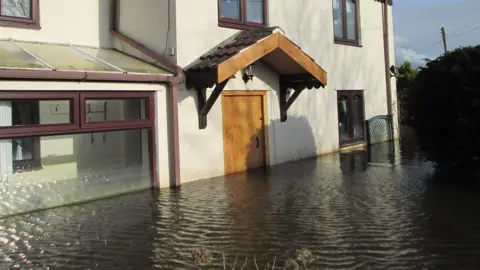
(28, 169)
(239, 26)
(348, 43)
(24, 25)
(358, 144)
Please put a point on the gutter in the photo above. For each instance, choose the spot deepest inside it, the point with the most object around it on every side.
(82, 76)
(386, 50)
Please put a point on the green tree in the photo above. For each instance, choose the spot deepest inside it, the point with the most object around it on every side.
(405, 76)
(444, 101)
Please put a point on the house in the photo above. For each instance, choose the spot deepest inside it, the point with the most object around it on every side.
(99, 98)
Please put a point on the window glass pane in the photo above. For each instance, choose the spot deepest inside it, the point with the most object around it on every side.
(338, 18)
(357, 117)
(351, 20)
(23, 149)
(122, 61)
(343, 118)
(24, 112)
(230, 9)
(74, 168)
(255, 11)
(16, 8)
(103, 110)
(64, 57)
(12, 56)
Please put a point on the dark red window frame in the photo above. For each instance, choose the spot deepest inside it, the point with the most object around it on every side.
(32, 23)
(350, 94)
(78, 122)
(148, 121)
(242, 23)
(345, 40)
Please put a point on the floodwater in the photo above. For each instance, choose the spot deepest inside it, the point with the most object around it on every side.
(374, 209)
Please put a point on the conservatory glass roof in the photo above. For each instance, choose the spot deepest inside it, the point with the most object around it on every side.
(63, 57)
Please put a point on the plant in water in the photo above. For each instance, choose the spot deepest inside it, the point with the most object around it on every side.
(202, 256)
(303, 259)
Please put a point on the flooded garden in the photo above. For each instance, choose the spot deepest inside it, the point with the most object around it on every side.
(377, 208)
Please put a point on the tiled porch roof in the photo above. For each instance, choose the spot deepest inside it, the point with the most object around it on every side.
(229, 48)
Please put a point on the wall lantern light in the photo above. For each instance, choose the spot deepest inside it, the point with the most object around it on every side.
(248, 73)
(393, 71)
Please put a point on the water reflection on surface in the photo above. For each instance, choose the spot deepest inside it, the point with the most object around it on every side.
(365, 209)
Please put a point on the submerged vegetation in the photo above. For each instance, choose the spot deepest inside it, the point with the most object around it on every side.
(301, 261)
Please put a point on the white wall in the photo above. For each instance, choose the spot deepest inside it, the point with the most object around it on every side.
(312, 127)
(150, 22)
(85, 22)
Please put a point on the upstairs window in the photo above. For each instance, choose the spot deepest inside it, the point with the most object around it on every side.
(346, 22)
(19, 13)
(242, 14)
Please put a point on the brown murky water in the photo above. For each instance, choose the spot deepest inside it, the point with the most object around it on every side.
(351, 213)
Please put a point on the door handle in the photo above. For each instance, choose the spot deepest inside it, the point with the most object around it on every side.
(258, 141)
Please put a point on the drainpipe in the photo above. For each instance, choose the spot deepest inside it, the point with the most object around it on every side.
(175, 144)
(174, 86)
(386, 49)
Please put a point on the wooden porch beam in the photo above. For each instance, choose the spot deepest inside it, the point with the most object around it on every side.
(255, 52)
(302, 59)
(284, 103)
(205, 105)
(290, 101)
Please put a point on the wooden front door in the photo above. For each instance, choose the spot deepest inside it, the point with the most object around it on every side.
(243, 130)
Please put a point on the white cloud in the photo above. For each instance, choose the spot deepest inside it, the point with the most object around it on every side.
(403, 54)
(417, 26)
(399, 41)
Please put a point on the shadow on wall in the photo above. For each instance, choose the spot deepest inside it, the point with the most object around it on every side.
(105, 14)
(258, 151)
(293, 139)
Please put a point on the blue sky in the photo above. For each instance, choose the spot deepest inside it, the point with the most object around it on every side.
(417, 26)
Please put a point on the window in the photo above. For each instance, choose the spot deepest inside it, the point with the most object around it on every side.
(346, 22)
(351, 126)
(20, 13)
(74, 146)
(242, 14)
(25, 151)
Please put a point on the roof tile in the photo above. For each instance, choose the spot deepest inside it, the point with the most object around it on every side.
(229, 48)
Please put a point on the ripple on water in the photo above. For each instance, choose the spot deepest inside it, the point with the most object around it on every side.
(372, 217)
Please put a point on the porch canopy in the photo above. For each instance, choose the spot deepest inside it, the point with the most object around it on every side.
(34, 60)
(295, 68)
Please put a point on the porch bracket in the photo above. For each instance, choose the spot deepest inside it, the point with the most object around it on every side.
(285, 104)
(205, 105)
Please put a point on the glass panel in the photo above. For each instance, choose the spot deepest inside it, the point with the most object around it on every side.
(351, 20)
(13, 57)
(357, 117)
(122, 61)
(338, 18)
(23, 149)
(104, 110)
(24, 112)
(255, 11)
(230, 9)
(75, 168)
(16, 8)
(343, 118)
(64, 57)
